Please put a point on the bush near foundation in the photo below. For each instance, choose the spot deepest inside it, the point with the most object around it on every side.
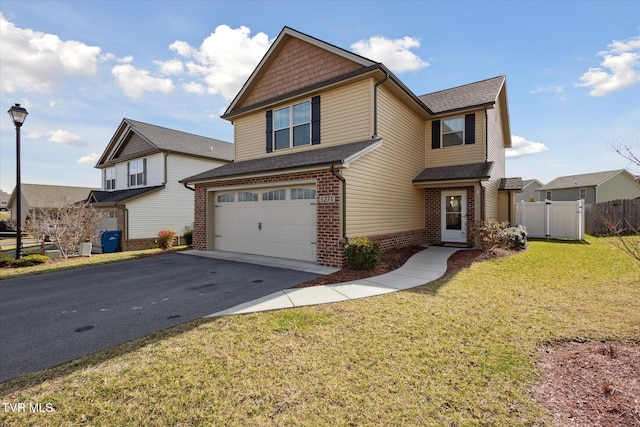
(165, 239)
(362, 253)
(188, 237)
(494, 234)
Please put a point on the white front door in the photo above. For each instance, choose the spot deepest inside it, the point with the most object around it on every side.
(454, 216)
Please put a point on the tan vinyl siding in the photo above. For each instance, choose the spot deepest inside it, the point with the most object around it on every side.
(495, 154)
(345, 116)
(503, 206)
(621, 186)
(380, 195)
(458, 155)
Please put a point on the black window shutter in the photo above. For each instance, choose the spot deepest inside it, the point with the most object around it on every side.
(144, 172)
(269, 131)
(435, 134)
(470, 129)
(128, 174)
(315, 120)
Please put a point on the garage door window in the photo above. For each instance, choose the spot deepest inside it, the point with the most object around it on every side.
(229, 197)
(303, 194)
(245, 196)
(274, 195)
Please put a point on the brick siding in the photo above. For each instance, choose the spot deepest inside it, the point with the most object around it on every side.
(433, 214)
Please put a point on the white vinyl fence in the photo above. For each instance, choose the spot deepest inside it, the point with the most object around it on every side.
(553, 220)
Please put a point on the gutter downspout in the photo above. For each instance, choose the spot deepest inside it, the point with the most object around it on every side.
(188, 188)
(344, 201)
(375, 105)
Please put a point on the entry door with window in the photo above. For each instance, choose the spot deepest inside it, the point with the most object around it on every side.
(454, 216)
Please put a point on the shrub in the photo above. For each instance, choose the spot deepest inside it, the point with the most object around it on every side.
(29, 260)
(6, 261)
(188, 237)
(4, 226)
(165, 239)
(514, 237)
(362, 253)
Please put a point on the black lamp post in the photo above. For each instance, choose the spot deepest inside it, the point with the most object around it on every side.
(18, 115)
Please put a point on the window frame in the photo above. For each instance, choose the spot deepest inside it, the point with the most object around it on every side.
(292, 125)
(110, 179)
(548, 196)
(137, 177)
(580, 193)
(226, 197)
(266, 195)
(443, 133)
(247, 196)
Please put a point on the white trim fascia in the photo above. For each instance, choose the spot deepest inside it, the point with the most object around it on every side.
(265, 185)
(356, 156)
(449, 183)
(262, 174)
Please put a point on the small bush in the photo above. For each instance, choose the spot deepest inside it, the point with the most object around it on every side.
(188, 237)
(514, 237)
(362, 253)
(165, 239)
(6, 261)
(30, 260)
(494, 234)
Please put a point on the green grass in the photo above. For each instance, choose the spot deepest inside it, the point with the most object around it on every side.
(458, 351)
(77, 262)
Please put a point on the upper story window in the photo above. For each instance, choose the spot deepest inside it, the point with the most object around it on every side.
(137, 173)
(292, 126)
(110, 179)
(583, 193)
(295, 125)
(548, 195)
(454, 131)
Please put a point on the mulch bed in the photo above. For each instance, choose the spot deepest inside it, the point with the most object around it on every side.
(590, 383)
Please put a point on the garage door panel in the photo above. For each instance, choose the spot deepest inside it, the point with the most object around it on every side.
(281, 228)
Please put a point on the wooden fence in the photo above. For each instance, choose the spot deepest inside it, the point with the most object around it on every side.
(625, 212)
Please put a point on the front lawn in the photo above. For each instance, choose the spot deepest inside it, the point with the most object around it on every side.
(459, 351)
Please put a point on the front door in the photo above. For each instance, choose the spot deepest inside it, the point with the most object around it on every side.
(454, 216)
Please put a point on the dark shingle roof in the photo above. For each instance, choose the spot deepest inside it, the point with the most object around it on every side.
(183, 142)
(455, 173)
(511, 184)
(584, 180)
(308, 158)
(120, 195)
(470, 95)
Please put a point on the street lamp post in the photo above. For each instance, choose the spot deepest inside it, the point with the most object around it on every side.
(18, 115)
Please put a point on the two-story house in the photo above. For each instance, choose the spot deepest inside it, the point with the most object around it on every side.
(595, 187)
(330, 145)
(141, 169)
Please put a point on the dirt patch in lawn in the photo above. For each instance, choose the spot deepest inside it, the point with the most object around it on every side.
(590, 383)
(395, 258)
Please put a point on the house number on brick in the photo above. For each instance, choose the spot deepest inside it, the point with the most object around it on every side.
(326, 199)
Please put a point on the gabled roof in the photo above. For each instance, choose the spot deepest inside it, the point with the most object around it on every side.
(109, 197)
(46, 196)
(334, 155)
(527, 182)
(510, 184)
(476, 94)
(584, 180)
(456, 173)
(161, 139)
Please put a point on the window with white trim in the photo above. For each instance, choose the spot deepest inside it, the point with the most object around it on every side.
(110, 179)
(228, 197)
(453, 132)
(292, 126)
(303, 194)
(246, 196)
(137, 173)
(548, 195)
(583, 193)
(274, 195)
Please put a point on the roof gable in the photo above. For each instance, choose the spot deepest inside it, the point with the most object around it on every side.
(295, 60)
(476, 94)
(584, 180)
(133, 138)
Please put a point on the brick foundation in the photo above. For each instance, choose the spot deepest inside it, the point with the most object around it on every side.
(147, 243)
(400, 240)
(433, 214)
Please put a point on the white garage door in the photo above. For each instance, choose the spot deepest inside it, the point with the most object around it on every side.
(279, 222)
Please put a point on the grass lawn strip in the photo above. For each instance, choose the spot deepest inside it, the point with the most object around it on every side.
(458, 351)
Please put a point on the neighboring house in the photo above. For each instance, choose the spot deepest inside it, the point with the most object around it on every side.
(592, 187)
(330, 145)
(141, 169)
(38, 196)
(4, 201)
(529, 191)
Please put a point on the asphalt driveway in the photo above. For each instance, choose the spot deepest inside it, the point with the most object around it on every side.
(50, 319)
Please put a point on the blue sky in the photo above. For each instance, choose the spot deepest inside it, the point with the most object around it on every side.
(80, 67)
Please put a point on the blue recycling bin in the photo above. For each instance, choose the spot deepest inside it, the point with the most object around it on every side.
(110, 241)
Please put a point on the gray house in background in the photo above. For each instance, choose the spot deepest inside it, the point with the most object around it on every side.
(529, 194)
(592, 187)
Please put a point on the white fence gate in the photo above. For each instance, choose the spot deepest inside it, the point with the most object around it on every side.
(554, 220)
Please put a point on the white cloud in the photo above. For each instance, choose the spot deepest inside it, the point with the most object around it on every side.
(171, 67)
(33, 61)
(135, 82)
(522, 147)
(620, 68)
(59, 136)
(194, 87)
(89, 159)
(395, 54)
(557, 90)
(224, 60)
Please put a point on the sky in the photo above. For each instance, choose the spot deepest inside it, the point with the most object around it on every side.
(80, 67)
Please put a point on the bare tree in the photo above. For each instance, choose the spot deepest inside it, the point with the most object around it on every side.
(627, 236)
(66, 224)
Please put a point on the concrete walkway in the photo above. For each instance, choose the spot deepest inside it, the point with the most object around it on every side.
(423, 267)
